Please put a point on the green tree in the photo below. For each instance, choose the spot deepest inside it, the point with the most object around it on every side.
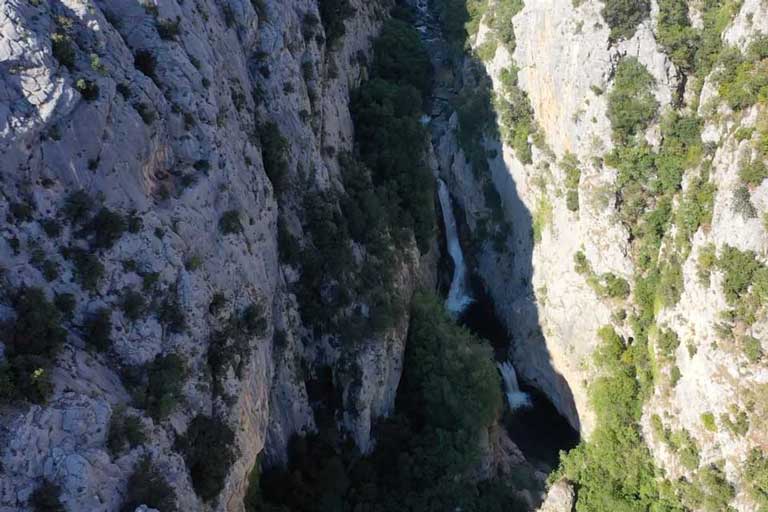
(631, 103)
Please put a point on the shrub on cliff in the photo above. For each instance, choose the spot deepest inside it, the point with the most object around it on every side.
(46, 498)
(157, 386)
(333, 13)
(98, 329)
(675, 33)
(623, 16)
(32, 340)
(400, 56)
(147, 486)
(229, 223)
(125, 431)
(631, 103)
(274, 153)
(208, 452)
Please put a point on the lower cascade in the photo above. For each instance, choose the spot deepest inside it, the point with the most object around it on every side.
(458, 297)
(515, 398)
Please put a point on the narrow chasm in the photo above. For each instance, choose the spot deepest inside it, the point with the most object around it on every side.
(465, 433)
(531, 420)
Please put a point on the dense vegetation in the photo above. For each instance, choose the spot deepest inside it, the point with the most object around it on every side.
(450, 392)
(631, 104)
(333, 13)
(614, 470)
(389, 135)
(387, 199)
(207, 447)
(32, 339)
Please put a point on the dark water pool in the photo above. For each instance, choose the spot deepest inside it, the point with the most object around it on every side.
(540, 431)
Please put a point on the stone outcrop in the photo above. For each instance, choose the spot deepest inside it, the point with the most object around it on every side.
(560, 498)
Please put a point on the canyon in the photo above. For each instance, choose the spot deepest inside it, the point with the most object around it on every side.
(252, 248)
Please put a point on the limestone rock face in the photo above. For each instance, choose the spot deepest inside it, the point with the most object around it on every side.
(565, 64)
(560, 498)
(550, 310)
(153, 110)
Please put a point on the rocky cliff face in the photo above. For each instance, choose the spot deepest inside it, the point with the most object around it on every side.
(159, 164)
(554, 285)
(166, 118)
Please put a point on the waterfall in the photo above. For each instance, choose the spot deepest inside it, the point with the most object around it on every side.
(458, 297)
(515, 398)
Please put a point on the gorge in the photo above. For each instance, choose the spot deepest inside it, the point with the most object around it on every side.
(385, 255)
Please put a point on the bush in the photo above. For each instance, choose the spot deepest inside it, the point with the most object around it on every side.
(401, 57)
(742, 203)
(623, 16)
(133, 305)
(686, 448)
(253, 321)
(740, 426)
(739, 268)
(708, 420)
(753, 174)
(695, 209)
(287, 244)
(706, 261)
(145, 62)
(667, 343)
(752, 347)
(77, 207)
(147, 486)
(333, 13)
(581, 264)
(572, 200)
(168, 30)
(32, 341)
(756, 476)
(157, 387)
(615, 287)
(208, 452)
(46, 498)
(87, 89)
(501, 21)
(679, 39)
(570, 166)
(229, 223)
(63, 50)
(124, 431)
(671, 284)
(631, 103)
(170, 313)
(97, 330)
(742, 80)
(274, 153)
(106, 228)
(88, 269)
(66, 303)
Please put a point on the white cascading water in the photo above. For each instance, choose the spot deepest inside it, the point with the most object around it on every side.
(458, 298)
(515, 398)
